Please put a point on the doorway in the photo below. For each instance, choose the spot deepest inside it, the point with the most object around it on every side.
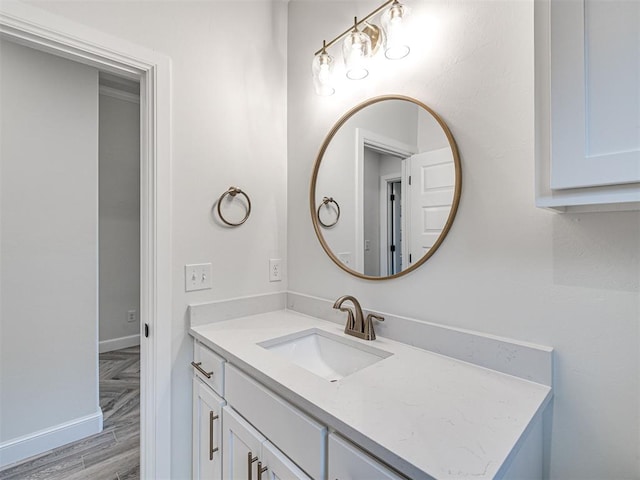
(382, 207)
(391, 224)
(32, 27)
(70, 214)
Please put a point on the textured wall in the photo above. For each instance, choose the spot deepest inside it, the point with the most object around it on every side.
(506, 268)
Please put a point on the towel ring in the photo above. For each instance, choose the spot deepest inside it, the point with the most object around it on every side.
(233, 191)
(326, 201)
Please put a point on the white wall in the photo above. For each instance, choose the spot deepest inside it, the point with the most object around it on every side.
(228, 128)
(506, 268)
(48, 243)
(119, 219)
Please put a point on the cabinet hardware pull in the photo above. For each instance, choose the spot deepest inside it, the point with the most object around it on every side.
(212, 450)
(250, 460)
(261, 470)
(201, 370)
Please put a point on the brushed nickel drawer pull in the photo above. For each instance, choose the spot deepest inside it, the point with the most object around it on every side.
(261, 470)
(250, 460)
(212, 450)
(201, 370)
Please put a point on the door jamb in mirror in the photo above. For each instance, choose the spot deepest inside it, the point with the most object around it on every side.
(376, 141)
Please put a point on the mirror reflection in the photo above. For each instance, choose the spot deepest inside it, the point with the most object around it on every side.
(392, 170)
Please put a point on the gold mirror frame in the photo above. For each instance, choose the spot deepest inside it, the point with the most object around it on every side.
(456, 194)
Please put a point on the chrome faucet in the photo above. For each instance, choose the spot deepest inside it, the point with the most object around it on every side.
(356, 326)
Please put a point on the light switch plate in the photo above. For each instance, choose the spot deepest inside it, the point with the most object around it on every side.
(197, 277)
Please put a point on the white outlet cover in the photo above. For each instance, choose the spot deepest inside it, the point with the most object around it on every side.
(275, 270)
(345, 257)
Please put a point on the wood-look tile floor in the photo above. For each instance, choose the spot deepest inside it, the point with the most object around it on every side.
(113, 454)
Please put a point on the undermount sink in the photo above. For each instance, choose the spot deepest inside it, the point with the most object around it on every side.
(329, 356)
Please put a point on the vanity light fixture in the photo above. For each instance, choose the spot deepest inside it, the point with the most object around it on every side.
(361, 42)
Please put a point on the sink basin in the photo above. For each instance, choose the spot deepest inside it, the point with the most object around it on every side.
(329, 356)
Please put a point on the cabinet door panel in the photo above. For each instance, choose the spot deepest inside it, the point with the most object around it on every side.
(239, 441)
(278, 466)
(595, 101)
(207, 435)
(347, 462)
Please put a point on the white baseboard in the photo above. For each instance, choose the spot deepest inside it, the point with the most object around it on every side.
(118, 343)
(18, 449)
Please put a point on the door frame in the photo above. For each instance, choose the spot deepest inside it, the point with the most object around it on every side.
(384, 215)
(383, 144)
(41, 30)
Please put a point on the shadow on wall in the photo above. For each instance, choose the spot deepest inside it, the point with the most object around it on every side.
(597, 250)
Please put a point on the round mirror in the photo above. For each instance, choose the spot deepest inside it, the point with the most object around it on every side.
(385, 187)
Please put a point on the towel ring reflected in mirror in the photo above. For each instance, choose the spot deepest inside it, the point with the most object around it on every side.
(233, 191)
(395, 166)
(325, 203)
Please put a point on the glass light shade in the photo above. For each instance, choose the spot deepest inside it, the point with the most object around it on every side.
(322, 70)
(356, 50)
(396, 45)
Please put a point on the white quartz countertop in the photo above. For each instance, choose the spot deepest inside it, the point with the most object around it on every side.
(427, 415)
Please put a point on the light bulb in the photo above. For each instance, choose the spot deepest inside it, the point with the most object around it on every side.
(322, 70)
(324, 74)
(356, 50)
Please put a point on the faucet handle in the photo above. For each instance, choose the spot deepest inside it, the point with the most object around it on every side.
(350, 318)
(369, 332)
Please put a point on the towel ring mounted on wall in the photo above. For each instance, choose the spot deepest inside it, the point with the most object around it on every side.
(233, 191)
(325, 202)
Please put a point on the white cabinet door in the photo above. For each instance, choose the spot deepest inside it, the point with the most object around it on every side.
(242, 446)
(346, 462)
(587, 103)
(207, 435)
(247, 454)
(276, 466)
(595, 99)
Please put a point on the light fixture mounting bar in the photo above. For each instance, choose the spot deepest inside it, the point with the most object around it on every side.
(372, 14)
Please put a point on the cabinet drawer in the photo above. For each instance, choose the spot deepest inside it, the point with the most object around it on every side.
(209, 367)
(347, 462)
(300, 437)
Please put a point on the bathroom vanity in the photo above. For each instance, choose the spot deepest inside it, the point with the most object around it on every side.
(286, 395)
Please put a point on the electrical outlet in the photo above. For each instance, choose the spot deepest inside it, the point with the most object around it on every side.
(345, 258)
(132, 316)
(197, 277)
(275, 270)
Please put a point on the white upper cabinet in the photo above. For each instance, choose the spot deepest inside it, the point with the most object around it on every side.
(587, 104)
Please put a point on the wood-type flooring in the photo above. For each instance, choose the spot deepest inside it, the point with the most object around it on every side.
(113, 454)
